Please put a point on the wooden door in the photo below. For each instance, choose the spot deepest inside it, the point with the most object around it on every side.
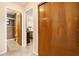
(59, 29)
(19, 29)
(44, 29)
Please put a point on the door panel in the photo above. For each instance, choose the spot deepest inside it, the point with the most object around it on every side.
(72, 12)
(44, 29)
(58, 28)
(59, 33)
(19, 29)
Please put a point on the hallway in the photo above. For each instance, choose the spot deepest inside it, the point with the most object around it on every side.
(52, 26)
(14, 15)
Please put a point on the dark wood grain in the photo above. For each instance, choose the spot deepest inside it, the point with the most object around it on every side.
(59, 29)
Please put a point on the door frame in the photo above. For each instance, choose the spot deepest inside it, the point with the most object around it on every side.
(6, 24)
(25, 14)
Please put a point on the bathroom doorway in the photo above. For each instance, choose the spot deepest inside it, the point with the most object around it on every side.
(14, 32)
(29, 27)
(11, 29)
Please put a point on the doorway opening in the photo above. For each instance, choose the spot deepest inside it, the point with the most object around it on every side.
(11, 30)
(29, 28)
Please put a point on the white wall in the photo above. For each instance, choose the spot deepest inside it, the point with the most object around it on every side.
(2, 29)
(30, 22)
(3, 38)
(35, 24)
(29, 18)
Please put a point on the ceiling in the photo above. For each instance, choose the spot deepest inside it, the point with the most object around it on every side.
(24, 3)
(10, 11)
(21, 3)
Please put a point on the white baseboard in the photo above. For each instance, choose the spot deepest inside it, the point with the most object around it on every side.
(2, 52)
(35, 53)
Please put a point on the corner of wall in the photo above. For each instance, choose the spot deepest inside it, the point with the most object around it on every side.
(3, 52)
